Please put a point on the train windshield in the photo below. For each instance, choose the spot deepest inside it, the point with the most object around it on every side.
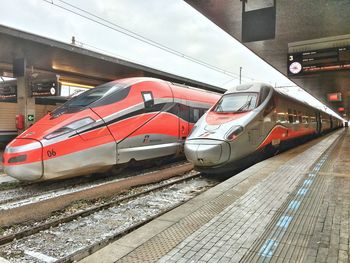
(91, 97)
(236, 102)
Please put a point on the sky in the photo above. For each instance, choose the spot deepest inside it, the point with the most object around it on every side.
(173, 24)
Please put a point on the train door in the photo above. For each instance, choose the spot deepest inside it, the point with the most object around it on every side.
(181, 98)
(149, 132)
(318, 123)
(255, 131)
(184, 127)
(135, 120)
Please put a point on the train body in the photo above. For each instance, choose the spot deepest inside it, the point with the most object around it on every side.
(113, 124)
(251, 118)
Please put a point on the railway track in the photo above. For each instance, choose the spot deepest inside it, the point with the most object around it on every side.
(41, 206)
(16, 191)
(100, 223)
(94, 207)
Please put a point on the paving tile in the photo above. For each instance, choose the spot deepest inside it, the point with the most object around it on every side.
(343, 256)
(239, 231)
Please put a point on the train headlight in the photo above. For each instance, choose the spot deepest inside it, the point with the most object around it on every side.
(234, 132)
(75, 125)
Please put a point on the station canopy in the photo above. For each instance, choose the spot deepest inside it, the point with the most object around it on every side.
(314, 34)
(73, 64)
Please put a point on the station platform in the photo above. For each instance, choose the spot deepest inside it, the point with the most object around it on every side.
(294, 207)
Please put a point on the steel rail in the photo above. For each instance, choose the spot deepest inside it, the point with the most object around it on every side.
(81, 214)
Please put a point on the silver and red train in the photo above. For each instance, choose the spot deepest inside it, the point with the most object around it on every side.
(113, 124)
(248, 119)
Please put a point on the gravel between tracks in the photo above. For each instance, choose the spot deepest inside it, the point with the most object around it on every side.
(38, 209)
(59, 242)
(84, 205)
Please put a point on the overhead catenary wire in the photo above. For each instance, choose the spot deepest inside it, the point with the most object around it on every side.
(84, 44)
(113, 26)
(116, 27)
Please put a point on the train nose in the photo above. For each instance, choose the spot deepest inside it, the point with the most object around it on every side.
(23, 159)
(204, 153)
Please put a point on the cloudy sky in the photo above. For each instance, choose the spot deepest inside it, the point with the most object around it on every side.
(171, 23)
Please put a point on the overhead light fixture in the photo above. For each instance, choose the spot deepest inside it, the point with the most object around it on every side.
(76, 85)
(334, 96)
(7, 74)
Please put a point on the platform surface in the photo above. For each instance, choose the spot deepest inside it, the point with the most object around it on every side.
(293, 207)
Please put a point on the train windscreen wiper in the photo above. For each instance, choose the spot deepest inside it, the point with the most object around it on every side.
(245, 105)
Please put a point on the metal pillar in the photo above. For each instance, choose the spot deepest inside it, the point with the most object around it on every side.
(25, 102)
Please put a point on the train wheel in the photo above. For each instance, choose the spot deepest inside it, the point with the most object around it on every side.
(271, 150)
(159, 162)
(117, 169)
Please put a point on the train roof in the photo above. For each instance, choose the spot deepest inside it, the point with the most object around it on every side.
(135, 80)
(194, 88)
(248, 87)
(256, 86)
(282, 93)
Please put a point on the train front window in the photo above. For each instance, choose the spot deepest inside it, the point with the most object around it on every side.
(236, 102)
(88, 97)
(92, 95)
(101, 95)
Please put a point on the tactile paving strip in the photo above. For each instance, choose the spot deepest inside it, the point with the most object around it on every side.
(287, 235)
(229, 236)
(161, 244)
(330, 238)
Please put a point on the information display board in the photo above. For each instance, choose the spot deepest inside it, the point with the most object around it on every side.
(45, 88)
(310, 62)
(8, 91)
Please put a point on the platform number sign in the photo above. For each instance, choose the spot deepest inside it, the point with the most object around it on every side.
(30, 117)
(315, 61)
(294, 65)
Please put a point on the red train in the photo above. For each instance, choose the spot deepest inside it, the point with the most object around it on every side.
(113, 124)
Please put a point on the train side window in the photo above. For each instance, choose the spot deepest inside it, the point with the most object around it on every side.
(184, 112)
(290, 116)
(194, 115)
(305, 119)
(300, 116)
(281, 117)
(148, 99)
(269, 107)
